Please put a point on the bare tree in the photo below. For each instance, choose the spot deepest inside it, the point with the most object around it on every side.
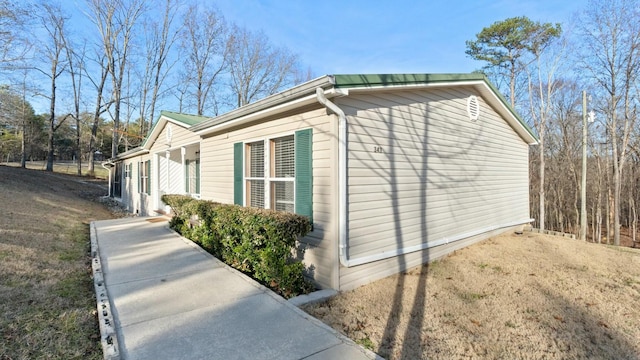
(53, 22)
(76, 62)
(101, 106)
(610, 33)
(116, 21)
(257, 68)
(160, 38)
(543, 87)
(203, 42)
(14, 44)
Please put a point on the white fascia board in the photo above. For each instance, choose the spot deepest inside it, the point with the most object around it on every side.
(130, 154)
(507, 114)
(284, 107)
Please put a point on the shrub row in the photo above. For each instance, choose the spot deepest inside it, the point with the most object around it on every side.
(258, 242)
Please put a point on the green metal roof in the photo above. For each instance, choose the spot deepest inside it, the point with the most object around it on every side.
(370, 80)
(186, 119)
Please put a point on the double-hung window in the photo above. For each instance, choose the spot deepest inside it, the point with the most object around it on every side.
(282, 173)
(192, 176)
(254, 174)
(144, 179)
(275, 173)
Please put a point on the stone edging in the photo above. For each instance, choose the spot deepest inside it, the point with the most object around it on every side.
(551, 232)
(108, 336)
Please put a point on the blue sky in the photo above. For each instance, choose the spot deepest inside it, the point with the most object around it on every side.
(359, 36)
(399, 36)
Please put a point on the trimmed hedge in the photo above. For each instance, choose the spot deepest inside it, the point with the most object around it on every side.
(258, 242)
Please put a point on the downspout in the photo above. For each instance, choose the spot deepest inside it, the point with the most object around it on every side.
(342, 174)
(111, 165)
(342, 200)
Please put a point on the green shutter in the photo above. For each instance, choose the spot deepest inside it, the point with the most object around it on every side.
(139, 176)
(237, 173)
(186, 176)
(148, 177)
(304, 173)
(197, 176)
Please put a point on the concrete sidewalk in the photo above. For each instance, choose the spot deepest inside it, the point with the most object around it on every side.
(165, 298)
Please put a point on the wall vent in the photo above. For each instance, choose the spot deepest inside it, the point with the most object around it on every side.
(169, 133)
(473, 108)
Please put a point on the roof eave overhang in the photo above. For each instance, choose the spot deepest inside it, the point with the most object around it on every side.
(299, 96)
(131, 153)
(304, 94)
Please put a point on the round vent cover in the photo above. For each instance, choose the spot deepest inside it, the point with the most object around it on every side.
(473, 108)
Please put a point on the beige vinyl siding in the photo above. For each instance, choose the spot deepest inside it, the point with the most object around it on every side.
(363, 274)
(176, 173)
(180, 136)
(139, 203)
(216, 164)
(435, 174)
(169, 176)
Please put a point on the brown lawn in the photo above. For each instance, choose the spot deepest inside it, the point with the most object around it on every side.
(511, 297)
(47, 304)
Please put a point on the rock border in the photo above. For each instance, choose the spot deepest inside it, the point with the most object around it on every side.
(108, 335)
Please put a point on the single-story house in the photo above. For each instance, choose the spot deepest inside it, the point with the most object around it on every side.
(394, 170)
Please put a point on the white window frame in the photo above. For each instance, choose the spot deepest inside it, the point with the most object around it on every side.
(268, 178)
(196, 177)
(144, 176)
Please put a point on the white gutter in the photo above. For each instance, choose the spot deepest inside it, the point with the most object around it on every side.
(307, 100)
(430, 244)
(342, 203)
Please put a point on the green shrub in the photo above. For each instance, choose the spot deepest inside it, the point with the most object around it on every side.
(258, 242)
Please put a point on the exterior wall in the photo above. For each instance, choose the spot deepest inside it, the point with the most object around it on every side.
(216, 163)
(421, 172)
(134, 201)
(180, 136)
(168, 173)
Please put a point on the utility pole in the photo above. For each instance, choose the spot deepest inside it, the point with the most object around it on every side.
(583, 187)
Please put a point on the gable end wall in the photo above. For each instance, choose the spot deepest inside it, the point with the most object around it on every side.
(420, 171)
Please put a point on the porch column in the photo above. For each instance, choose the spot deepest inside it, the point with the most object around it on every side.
(183, 151)
(167, 156)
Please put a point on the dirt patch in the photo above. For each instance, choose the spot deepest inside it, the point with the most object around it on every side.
(527, 297)
(47, 304)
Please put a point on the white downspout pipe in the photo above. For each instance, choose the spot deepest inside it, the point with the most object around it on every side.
(109, 170)
(342, 174)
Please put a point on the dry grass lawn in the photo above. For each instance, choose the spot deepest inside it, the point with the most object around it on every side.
(66, 167)
(511, 297)
(47, 304)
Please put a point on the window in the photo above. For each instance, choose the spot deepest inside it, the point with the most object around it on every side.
(144, 179)
(117, 177)
(275, 173)
(192, 176)
(283, 173)
(254, 174)
(127, 171)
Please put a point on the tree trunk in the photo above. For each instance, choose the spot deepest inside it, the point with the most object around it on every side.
(616, 201)
(52, 118)
(541, 185)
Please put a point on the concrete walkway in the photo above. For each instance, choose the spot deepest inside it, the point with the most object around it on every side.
(162, 297)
